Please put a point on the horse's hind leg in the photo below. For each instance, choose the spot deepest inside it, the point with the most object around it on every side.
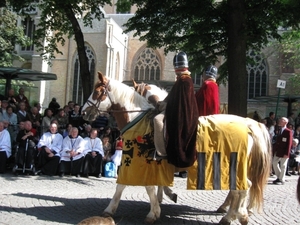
(154, 213)
(237, 209)
(227, 202)
(114, 203)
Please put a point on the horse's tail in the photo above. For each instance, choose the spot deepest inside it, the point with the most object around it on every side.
(259, 162)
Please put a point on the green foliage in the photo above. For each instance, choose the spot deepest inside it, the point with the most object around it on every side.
(123, 6)
(55, 22)
(201, 27)
(10, 35)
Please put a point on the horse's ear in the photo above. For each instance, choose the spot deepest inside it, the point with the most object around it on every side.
(134, 84)
(101, 77)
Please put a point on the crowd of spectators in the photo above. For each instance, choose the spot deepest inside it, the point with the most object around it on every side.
(61, 141)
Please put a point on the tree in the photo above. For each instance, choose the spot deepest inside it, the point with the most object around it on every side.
(208, 29)
(10, 35)
(60, 19)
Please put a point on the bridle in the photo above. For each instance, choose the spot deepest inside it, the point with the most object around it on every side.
(106, 93)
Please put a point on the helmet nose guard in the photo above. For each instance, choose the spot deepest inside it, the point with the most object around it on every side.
(180, 60)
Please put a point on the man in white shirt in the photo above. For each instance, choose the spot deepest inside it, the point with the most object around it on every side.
(72, 155)
(5, 147)
(93, 155)
(50, 146)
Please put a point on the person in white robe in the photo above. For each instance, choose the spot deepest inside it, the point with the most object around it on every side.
(49, 147)
(93, 155)
(72, 154)
(5, 147)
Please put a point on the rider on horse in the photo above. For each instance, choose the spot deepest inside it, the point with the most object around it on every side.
(181, 118)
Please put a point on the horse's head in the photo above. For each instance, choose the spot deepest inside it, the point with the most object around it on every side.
(151, 92)
(141, 88)
(99, 99)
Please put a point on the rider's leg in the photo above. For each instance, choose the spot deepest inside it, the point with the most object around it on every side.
(159, 140)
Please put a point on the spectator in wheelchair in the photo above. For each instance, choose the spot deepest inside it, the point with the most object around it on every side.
(26, 140)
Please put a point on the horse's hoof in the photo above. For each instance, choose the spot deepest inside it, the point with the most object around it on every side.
(174, 198)
(224, 221)
(221, 210)
(149, 220)
(244, 221)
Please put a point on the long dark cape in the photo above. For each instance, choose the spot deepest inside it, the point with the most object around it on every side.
(182, 121)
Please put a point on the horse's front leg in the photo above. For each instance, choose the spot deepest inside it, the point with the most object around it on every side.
(160, 194)
(168, 191)
(114, 203)
(154, 213)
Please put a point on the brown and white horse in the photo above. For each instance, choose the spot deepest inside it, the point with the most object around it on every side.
(126, 105)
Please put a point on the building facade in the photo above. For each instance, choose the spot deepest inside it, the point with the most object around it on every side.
(121, 56)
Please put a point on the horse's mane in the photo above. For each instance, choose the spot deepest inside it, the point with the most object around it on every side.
(128, 97)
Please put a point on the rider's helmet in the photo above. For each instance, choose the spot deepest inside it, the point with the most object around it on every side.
(180, 60)
(211, 71)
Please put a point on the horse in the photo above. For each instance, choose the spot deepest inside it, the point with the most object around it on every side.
(131, 109)
(151, 92)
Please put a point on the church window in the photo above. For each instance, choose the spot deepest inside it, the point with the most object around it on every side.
(147, 66)
(29, 28)
(77, 94)
(257, 75)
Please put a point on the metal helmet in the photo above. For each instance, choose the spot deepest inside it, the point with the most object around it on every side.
(180, 60)
(211, 71)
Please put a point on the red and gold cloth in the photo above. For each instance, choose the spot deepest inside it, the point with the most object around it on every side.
(137, 168)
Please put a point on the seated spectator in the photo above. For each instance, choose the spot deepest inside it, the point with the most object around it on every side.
(36, 119)
(93, 155)
(62, 120)
(108, 133)
(72, 155)
(22, 98)
(38, 106)
(22, 114)
(66, 110)
(67, 132)
(75, 118)
(12, 100)
(27, 140)
(293, 154)
(107, 149)
(100, 123)
(4, 104)
(12, 120)
(5, 147)
(54, 106)
(71, 105)
(48, 117)
(87, 131)
(50, 146)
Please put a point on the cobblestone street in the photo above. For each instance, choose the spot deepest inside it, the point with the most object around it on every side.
(43, 200)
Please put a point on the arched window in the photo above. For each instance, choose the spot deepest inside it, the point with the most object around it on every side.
(29, 28)
(147, 66)
(77, 95)
(257, 75)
